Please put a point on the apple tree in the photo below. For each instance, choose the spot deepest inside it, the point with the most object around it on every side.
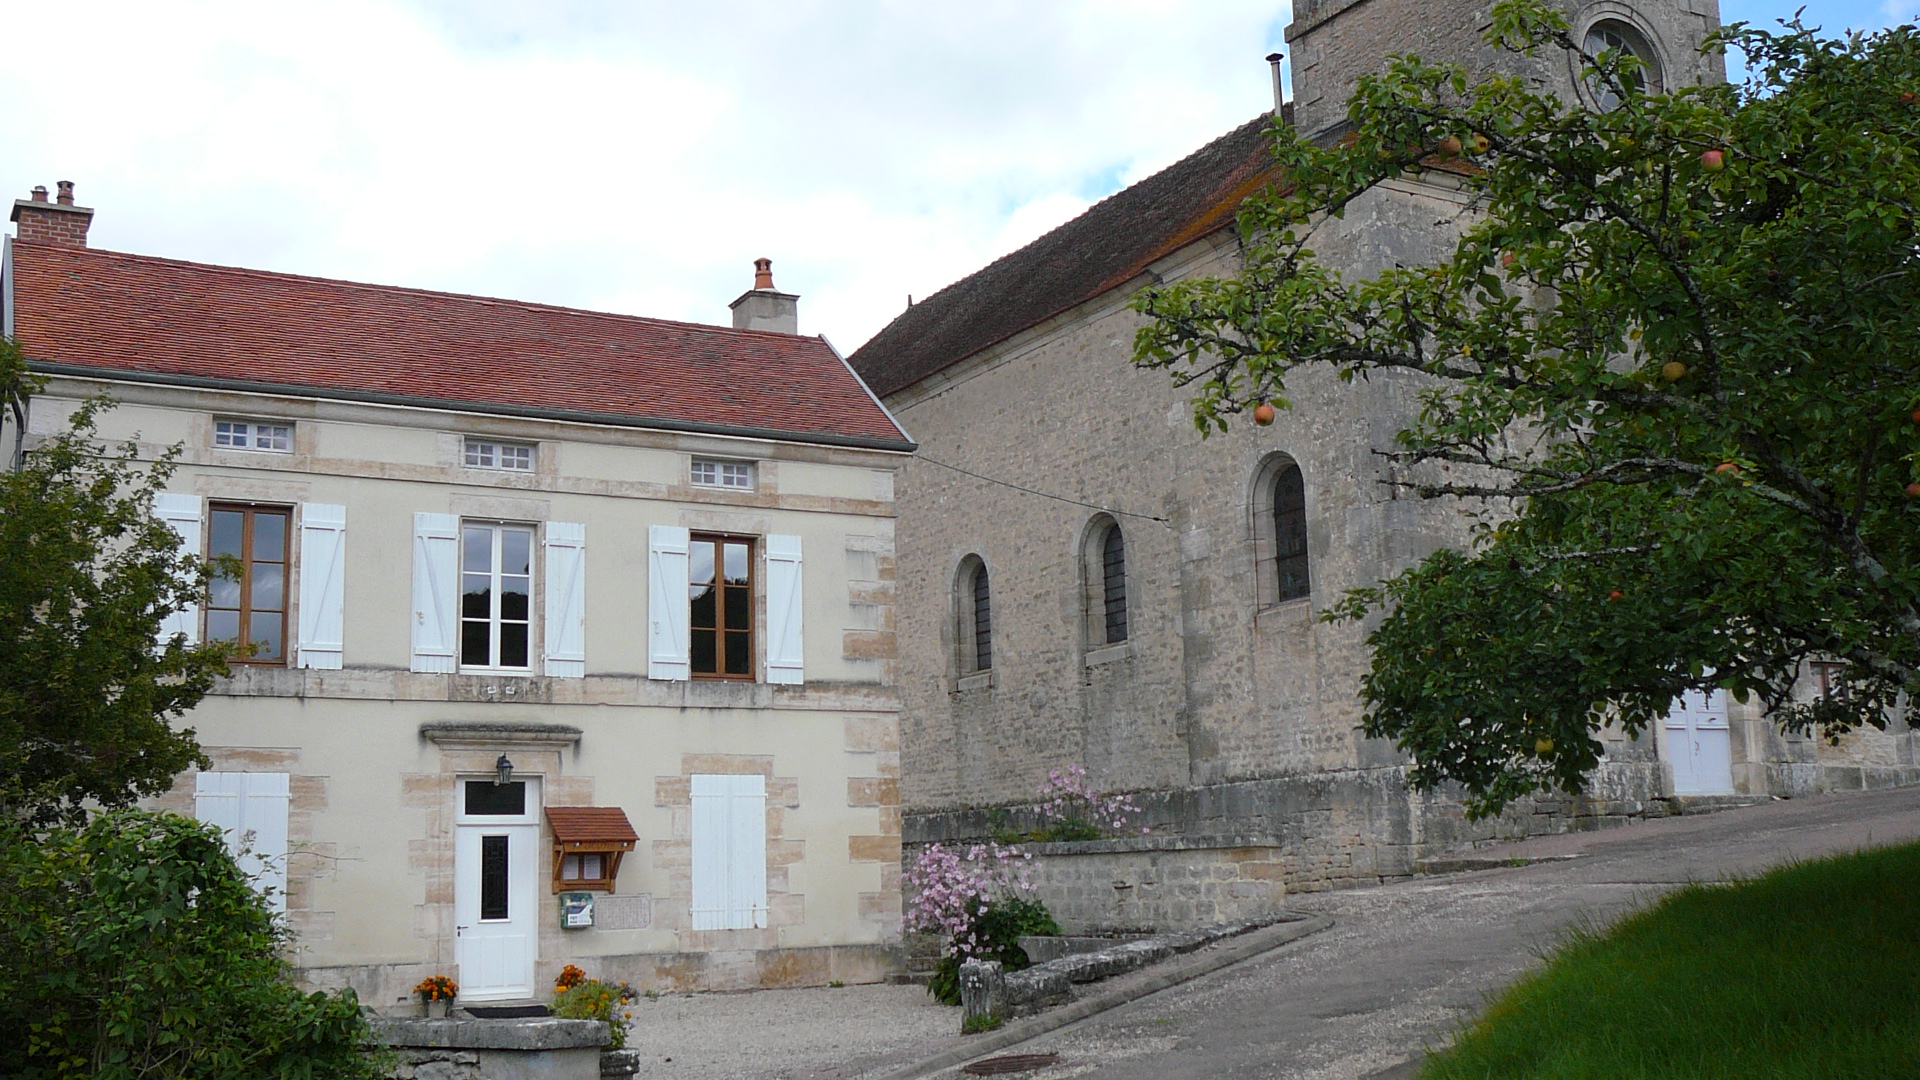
(89, 690)
(1675, 360)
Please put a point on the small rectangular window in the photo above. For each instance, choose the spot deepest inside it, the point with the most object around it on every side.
(494, 878)
(253, 435)
(511, 457)
(488, 799)
(732, 475)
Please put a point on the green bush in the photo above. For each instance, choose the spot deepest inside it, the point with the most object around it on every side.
(1000, 928)
(134, 947)
(595, 1000)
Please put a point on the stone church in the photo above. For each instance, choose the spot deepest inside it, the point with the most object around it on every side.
(1084, 579)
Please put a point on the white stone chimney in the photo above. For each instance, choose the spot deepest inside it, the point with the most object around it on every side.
(765, 308)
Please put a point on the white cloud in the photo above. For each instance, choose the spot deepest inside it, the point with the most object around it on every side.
(631, 157)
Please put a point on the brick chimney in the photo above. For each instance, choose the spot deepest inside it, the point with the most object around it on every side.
(765, 308)
(59, 222)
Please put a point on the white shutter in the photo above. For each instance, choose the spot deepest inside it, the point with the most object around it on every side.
(436, 591)
(323, 575)
(566, 633)
(786, 644)
(182, 512)
(669, 640)
(729, 852)
(747, 853)
(251, 811)
(710, 837)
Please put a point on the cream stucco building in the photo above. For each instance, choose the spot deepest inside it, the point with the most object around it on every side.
(646, 566)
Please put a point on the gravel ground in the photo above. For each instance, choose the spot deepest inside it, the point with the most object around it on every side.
(810, 1034)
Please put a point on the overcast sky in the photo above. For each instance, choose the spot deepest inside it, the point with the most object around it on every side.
(630, 156)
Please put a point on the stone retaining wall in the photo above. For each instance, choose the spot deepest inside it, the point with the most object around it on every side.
(1158, 884)
(1335, 829)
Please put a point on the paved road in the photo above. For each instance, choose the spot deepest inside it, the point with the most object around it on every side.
(1405, 965)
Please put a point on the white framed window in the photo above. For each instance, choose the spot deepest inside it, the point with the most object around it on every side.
(231, 434)
(496, 596)
(511, 457)
(732, 475)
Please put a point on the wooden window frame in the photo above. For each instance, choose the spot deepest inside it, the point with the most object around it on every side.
(246, 611)
(720, 628)
(495, 620)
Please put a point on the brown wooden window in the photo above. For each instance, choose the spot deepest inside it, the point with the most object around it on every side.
(250, 609)
(720, 586)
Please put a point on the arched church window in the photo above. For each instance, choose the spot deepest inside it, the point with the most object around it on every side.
(1613, 35)
(1279, 504)
(973, 611)
(1105, 572)
(1290, 535)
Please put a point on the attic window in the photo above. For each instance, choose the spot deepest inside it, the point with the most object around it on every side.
(513, 457)
(588, 842)
(229, 434)
(732, 475)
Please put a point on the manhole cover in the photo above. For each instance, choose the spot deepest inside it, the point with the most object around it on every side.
(1012, 1063)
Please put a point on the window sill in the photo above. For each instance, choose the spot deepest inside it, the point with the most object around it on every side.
(1298, 603)
(1108, 654)
(982, 680)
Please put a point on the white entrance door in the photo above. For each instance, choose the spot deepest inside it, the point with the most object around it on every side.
(1699, 744)
(496, 888)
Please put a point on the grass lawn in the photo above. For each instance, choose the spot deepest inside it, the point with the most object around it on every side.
(1810, 971)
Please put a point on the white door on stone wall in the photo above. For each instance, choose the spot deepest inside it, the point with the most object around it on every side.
(1699, 744)
(496, 862)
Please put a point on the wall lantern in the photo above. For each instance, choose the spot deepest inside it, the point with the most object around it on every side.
(503, 771)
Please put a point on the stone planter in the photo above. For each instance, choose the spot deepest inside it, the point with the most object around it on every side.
(435, 1008)
(521, 1049)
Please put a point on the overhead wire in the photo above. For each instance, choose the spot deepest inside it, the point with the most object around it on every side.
(1045, 495)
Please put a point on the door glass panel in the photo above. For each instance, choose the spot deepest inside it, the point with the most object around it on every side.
(476, 602)
(493, 877)
(513, 644)
(476, 547)
(266, 635)
(516, 551)
(736, 564)
(739, 608)
(473, 644)
(270, 537)
(487, 799)
(700, 562)
(513, 597)
(228, 527)
(269, 586)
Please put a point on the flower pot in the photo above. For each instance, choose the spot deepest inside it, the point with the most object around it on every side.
(437, 1008)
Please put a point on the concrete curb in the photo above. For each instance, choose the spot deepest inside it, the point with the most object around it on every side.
(1179, 970)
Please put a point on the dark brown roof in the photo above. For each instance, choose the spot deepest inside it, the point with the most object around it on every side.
(172, 321)
(1102, 249)
(590, 825)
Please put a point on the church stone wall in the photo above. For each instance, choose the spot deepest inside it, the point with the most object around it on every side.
(1211, 686)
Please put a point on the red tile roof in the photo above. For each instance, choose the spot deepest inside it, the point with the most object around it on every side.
(590, 825)
(182, 321)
